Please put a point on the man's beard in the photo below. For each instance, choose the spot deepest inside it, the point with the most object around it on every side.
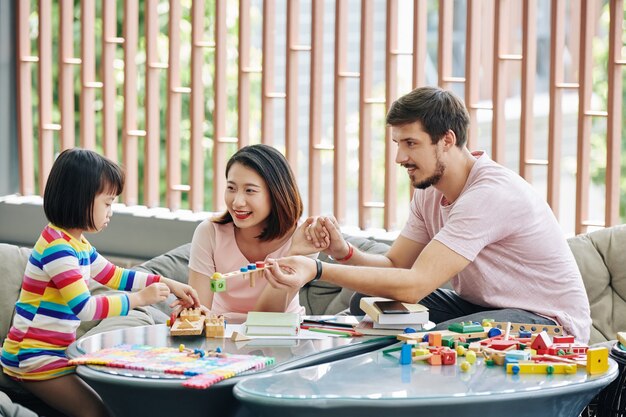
(433, 179)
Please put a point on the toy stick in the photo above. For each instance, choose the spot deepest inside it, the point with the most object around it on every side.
(553, 358)
(507, 332)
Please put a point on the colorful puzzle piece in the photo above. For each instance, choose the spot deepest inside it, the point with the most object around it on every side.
(167, 363)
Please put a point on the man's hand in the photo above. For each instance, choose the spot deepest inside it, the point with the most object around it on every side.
(327, 229)
(290, 273)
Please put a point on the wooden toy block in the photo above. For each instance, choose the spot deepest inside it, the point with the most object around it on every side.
(420, 335)
(185, 327)
(405, 354)
(534, 328)
(447, 341)
(191, 314)
(434, 360)
(518, 355)
(577, 348)
(465, 327)
(218, 282)
(420, 352)
(597, 360)
(214, 326)
(540, 368)
(541, 343)
(475, 346)
(434, 339)
(487, 322)
(496, 356)
(563, 339)
(503, 344)
(422, 357)
(580, 361)
(448, 357)
(239, 337)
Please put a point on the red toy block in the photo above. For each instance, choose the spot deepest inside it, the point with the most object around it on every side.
(448, 357)
(563, 339)
(503, 344)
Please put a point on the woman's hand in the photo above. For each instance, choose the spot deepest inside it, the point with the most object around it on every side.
(326, 229)
(290, 273)
(302, 244)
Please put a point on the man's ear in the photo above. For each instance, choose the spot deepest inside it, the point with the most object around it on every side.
(449, 140)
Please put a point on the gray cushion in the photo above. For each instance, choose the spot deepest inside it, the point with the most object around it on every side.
(600, 258)
(172, 264)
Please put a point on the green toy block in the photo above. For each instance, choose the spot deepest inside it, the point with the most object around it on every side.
(218, 285)
(447, 341)
(465, 327)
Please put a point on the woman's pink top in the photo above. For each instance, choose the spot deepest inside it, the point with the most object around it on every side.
(214, 249)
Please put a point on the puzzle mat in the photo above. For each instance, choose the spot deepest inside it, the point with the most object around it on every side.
(142, 361)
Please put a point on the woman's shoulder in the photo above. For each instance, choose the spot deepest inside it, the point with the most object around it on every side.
(208, 229)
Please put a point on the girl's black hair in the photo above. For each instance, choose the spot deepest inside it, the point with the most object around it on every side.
(76, 178)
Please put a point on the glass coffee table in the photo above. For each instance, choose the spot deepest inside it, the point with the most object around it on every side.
(127, 394)
(375, 384)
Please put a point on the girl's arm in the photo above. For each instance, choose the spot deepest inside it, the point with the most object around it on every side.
(73, 292)
(123, 279)
(116, 277)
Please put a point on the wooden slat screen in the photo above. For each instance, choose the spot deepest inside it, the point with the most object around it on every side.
(186, 64)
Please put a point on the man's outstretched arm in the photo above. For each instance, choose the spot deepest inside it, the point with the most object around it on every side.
(435, 265)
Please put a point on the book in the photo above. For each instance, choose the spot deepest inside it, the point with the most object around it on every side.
(417, 326)
(418, 314)
(272, 324)
(366, 327)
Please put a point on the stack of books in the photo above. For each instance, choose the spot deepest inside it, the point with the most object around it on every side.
(272, 324)
(390, 322)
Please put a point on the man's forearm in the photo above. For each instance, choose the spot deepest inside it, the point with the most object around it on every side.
(396, 283)
(368, 259)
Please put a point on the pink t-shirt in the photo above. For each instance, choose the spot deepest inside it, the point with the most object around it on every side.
(519, 256)
(213, 248)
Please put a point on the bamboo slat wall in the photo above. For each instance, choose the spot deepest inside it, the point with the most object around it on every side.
(200, 103)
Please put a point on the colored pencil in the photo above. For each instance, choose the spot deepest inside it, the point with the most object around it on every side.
(342, 333)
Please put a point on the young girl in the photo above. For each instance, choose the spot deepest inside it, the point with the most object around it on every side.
(263, 208)
(55, 296)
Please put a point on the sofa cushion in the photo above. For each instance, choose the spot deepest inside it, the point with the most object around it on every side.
(13, 261)
(600, 258)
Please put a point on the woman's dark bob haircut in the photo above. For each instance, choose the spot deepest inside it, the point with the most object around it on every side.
(77, 177)
(285, 198)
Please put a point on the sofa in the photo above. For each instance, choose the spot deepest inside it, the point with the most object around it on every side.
(598, 255)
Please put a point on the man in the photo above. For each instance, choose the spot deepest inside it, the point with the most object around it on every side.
(472, 221)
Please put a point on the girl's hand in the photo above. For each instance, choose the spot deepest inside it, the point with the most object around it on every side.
(152, 294)
(186, 293)
(302, 242)
(177, 307)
